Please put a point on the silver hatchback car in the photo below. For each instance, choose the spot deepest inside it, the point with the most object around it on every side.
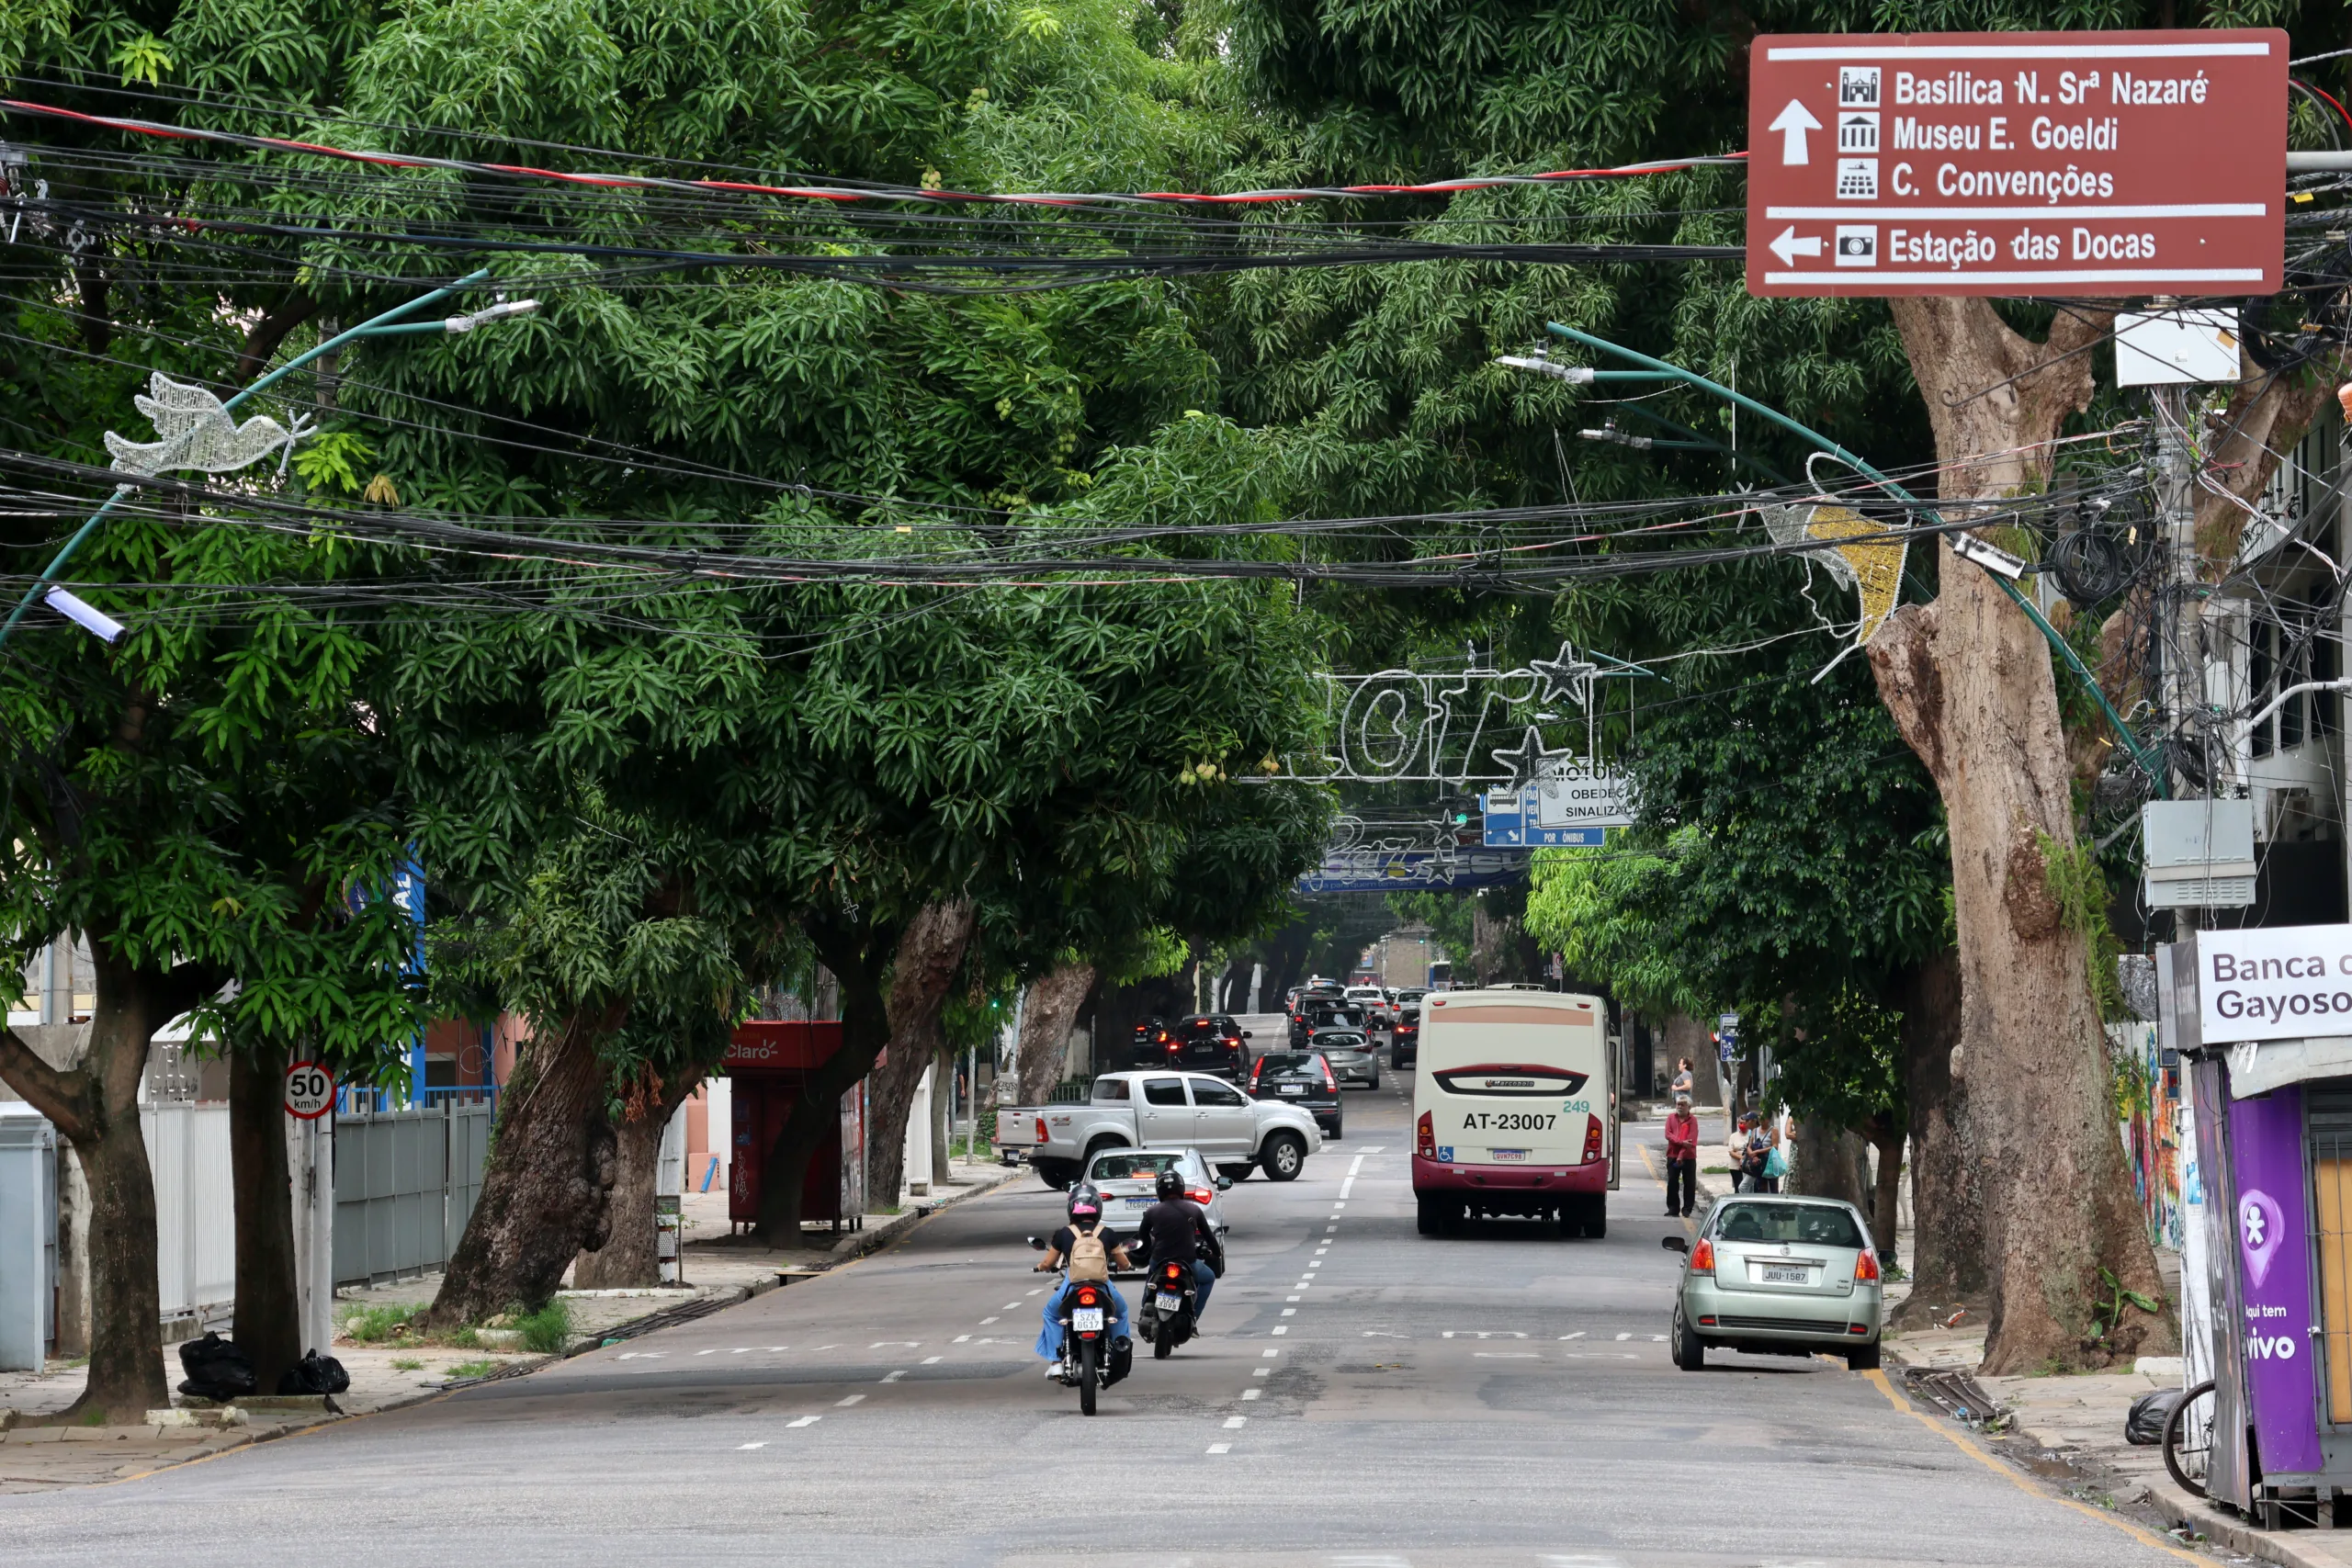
(1353, 1057)
(1779, 1276)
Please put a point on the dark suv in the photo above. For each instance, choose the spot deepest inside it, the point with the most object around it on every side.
(1323, 1012)
(1204, 1043)
(1302, 1079)
(1404, 1036)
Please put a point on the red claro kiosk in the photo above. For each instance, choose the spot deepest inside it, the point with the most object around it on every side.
(768, 1065)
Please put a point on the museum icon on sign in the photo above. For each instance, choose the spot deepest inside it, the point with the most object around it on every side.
(1857, 131)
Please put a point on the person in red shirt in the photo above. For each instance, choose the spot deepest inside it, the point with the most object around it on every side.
(1681, 1159)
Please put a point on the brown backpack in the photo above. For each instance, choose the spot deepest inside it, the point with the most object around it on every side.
(1089, 1260)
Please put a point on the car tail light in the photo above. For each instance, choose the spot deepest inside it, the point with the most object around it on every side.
(1857, 1328)
(1866, 1267)
(1329, 1081)
(1201, 1195)
(1424, 1138)
(1591, 1139)
(1702, 1256)
(1041, 1132)
(1259, 1066)
(1174, 1046)
(1233, 1040)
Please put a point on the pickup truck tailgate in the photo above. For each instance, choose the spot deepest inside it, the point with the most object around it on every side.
(1016, 1129)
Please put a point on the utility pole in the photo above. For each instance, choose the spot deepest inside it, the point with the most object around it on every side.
(2190, 757)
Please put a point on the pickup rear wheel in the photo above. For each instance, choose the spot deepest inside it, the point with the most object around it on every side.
(1283, 1157)
(1096, 1148)
(1235, 1172)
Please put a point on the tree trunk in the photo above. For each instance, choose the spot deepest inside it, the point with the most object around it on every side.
(1948, 1257)
(1047, 1014)
(1826, 1162)
(546, 1194)
(1968, 682)
(942, 1113)
(269, 1311)
(95, 1104)
(1886, 1140)
(930, 951)
(630, 1258)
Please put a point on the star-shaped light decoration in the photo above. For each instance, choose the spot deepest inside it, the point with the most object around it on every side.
(1526, 759)
(1566, 676)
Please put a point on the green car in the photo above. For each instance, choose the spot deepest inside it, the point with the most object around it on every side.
(1778, 1276)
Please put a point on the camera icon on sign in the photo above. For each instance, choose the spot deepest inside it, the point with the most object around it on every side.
(1857, 244)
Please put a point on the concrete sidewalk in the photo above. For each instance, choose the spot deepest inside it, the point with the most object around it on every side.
(720, 1270)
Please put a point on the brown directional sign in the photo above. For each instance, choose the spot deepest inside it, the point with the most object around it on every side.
(2089, 163)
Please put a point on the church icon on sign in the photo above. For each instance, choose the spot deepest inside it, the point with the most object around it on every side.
(1857, 86)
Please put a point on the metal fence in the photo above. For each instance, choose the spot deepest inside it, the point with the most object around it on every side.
(405, 1184)
(196, 1210)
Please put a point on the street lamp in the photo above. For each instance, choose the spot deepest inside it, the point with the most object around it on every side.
(195, 430)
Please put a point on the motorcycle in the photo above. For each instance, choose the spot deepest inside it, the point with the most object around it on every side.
(1169, 1306)
(1089, 1358)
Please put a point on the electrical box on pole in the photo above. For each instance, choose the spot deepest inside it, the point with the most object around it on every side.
(2054, 164)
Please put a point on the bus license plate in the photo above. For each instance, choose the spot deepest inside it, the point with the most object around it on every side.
(1784, 1274)
(1294, 1089)
(1087, 1320)
(1509, 1156)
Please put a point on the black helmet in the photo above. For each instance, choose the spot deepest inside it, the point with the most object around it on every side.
(1085, 1202)
(1168, 1184)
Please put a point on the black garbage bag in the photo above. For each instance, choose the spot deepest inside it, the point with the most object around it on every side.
(216, 1369)
(2145, 1425)
(314, 1373)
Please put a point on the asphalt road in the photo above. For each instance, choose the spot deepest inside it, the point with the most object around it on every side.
(1365, 1397)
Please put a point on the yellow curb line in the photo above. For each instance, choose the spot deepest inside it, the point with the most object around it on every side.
(1970, 1446)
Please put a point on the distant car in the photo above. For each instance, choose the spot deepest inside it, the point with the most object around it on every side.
(1776, 1275)
(1405, 1037)
(1410, 996)
(1204, 1043)
(1302, 1079)
(1375, 1002)
(1319, 1013)
(1126, 1179)
(1351, 1053)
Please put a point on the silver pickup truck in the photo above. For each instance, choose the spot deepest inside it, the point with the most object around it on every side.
(1159, 1110)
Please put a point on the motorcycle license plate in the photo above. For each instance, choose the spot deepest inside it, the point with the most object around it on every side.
(1294, 1089)
(1169, 1301)
(1086, 1320)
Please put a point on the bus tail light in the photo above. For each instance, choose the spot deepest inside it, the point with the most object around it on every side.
(1702, 1256)
(1591, 1139)
(1424, 1138)
(1866, 1267)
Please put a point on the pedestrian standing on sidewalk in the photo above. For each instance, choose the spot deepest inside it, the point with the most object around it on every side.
(1682, 1158)
(1736, 1150)
(1681, 1089)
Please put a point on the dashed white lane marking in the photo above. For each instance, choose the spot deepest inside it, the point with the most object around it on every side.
(1220, 1448)
(1269, 1355)
(1368, 1560)
(1011, 1305)
(845, 1403)
(1259, 1371)
(1482, 1334)
(1289, 1312)
(1337, 1207)
(1294, 1298)
(1578, 1334)
(1623, 1337)
(811, 1420)
(1505, 1356)
(1282, 1328)
(894, 1377)
(742, 1448)
(1315, 1263)
(1038, 1291)
(910, 1344)
(1582, 1562)
(933, 1360)
(713, 1352)
(1251, 1393)
(640, 1354)
(986, 1321)
(959, 1339)
(1234, 1423)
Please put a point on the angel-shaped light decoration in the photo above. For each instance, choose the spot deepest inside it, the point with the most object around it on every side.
(1872, 565)
(197, 432)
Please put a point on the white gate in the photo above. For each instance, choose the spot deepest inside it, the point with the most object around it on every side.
(195, 1211)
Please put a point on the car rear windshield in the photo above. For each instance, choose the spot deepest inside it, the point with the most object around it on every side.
(1281, 1064)
(1131, 1167)
(1817, 1223)
(1333, 1040)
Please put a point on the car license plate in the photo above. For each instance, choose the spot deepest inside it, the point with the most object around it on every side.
(1294, 1089)
(1785, 1273)
(1086, 1320)
(1169, 1301)
(1139, 1203)
(1509, 1156)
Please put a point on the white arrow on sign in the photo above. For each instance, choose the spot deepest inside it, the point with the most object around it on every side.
(1788, 247)
(1793, 123)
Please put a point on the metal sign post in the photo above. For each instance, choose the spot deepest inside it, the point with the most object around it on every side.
(2047, 164)
(309, 1100)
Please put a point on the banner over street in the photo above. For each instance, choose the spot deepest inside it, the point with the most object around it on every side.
(2068, 165)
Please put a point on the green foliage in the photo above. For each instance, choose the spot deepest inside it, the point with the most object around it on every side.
(547, 1330)
(367, 1325)
(2079, 886)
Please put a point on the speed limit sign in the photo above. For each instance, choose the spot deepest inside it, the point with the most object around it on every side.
(310, 1091)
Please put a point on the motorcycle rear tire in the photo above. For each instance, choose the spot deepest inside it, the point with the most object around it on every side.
(1163, 1345)
(1086, 1376)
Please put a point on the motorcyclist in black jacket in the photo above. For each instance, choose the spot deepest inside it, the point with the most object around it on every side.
(1178, 1228)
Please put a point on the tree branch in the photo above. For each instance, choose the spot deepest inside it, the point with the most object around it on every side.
(262, 341)
(62, 1096)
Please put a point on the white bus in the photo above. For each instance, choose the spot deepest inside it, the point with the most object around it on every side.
(1514, 1111)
